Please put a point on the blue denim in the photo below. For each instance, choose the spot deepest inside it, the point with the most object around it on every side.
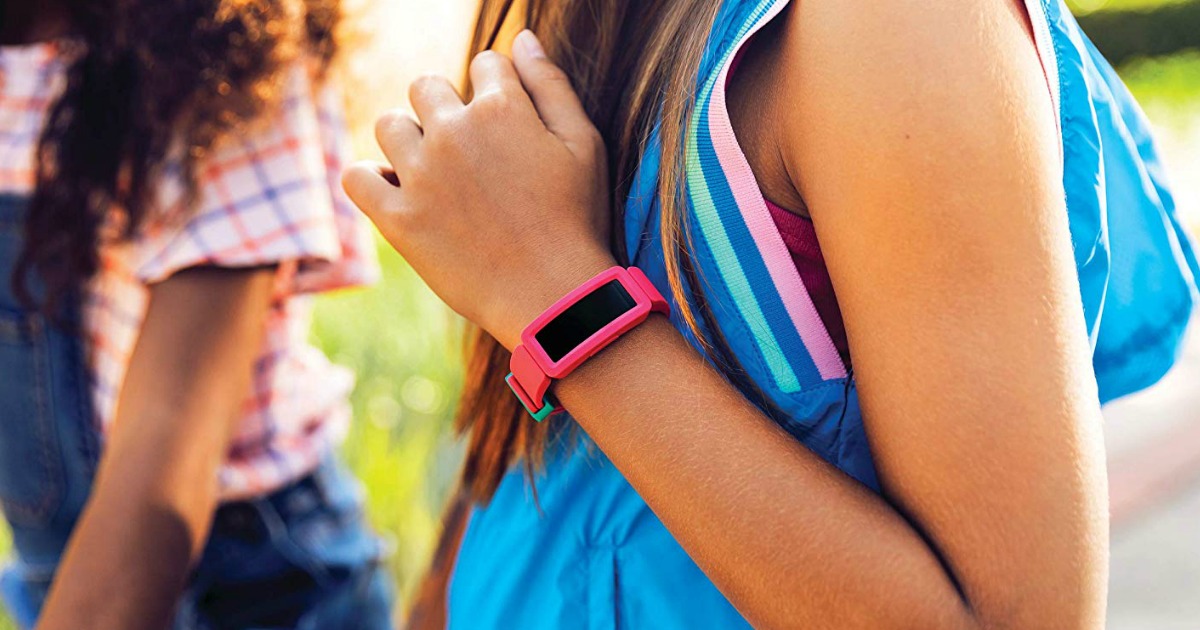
(302, 557)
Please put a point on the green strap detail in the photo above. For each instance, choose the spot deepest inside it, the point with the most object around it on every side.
(538, 414)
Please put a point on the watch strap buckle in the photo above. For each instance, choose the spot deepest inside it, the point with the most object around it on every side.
(546, 410)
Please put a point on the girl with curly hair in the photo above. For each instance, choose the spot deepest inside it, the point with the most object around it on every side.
(168, 201)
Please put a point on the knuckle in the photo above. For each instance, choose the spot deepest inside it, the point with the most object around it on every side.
(393, 205)
(393, 208)
(493, 103)
(389, 123)
(426, 84)
(447, 124)
(427, 79)
(352, 173)
(487, 58)
(552, 74)
(350, 182)
(412, 220)
(416, 175)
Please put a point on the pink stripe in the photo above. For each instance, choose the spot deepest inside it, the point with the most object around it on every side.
(766, 235)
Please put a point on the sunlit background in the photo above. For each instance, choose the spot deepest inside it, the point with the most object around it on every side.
(404, 344)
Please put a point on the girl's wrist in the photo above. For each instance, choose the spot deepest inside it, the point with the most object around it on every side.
(545, 287)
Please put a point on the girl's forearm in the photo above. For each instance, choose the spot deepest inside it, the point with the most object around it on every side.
(789, 539)
(145, 524)
(128, 560)
(156, 489)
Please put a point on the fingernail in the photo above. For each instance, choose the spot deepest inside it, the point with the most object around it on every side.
(530, 43)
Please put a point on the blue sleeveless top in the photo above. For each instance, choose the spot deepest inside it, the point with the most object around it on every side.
(594, 556)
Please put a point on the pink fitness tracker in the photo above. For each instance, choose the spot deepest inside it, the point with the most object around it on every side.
(574, 329)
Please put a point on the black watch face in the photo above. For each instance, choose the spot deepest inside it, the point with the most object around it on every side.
(583, 319)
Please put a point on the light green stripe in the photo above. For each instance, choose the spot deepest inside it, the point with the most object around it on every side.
(718, 239)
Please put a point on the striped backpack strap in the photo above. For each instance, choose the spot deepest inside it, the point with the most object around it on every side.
(748, 253)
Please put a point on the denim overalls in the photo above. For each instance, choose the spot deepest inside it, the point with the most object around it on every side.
(300, 558)
(590, 554)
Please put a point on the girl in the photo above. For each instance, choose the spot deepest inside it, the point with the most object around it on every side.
(924, 450)
(166, 201)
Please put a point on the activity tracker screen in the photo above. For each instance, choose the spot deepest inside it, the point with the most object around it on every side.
(583, 319)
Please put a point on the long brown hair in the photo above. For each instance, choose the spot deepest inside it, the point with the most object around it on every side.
(634, 64)
(148, 78)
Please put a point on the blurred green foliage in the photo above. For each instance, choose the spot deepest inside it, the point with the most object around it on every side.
(404, 346)
(1168, 88)
(1128, 29)
(1087, 7)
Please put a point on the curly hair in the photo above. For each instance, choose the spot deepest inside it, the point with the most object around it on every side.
(151, 82)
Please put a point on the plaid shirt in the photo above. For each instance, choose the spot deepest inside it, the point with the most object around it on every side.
(269, 196)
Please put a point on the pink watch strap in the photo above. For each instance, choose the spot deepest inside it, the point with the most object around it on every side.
(529, 380)
(658, 304)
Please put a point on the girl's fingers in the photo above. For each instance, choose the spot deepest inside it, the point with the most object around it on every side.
(552, 93)
(373, 187)
(398, 135)
(433, 96)
(492, 72)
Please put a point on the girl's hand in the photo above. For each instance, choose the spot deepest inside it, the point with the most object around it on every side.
(501, 205)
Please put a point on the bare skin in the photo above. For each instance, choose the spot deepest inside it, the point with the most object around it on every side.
(925, 143)
(156, 489)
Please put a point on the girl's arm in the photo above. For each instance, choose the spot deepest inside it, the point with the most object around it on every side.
(156, 489)
(933, 177)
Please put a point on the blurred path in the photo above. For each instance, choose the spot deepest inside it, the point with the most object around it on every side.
(1155, 582)
(1154, 440)
(1154, 471)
